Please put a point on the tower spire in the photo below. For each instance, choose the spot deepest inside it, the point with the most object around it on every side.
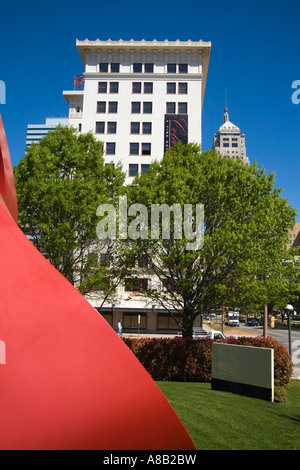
(226, 116)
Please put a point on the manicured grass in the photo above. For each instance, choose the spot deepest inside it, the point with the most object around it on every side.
(225, 421)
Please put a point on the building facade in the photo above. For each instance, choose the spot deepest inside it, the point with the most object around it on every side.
(35, 132)
(294, 236)
(140, 97)
(229, 141)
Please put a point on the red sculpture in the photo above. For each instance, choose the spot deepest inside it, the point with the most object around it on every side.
(68, 381)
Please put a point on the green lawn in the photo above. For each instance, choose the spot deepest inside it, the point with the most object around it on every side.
(225, 421)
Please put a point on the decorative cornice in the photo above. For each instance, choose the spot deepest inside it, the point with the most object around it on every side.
(143, 43)
(88, 46)
(203, 47)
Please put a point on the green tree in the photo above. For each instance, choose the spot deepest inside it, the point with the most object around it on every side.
(60, 183)
(246, 221)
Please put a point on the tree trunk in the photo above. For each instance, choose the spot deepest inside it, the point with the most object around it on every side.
(187, 323)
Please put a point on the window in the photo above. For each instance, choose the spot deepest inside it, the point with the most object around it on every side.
(171, 88)
(133, 170)
(100, 127)
(171, 68)
(102, 87)
(146, 149)
(130, 322)
(115, 68)
(168, 286)
(113, 107)
(79, 127)
(148, 87)
(234, 144)
(183, 68)
(137, 68)
(147, 107)
(143, 261)
(147, 127)
(110, 148)
(144, 168)
(170, 108)
(101, 107)
(114, 87)
(148, 68)
(134, 127)
(111, 127)
(182, 88)
(135, 107)
(136, 284)
(182, 108)
(103, 67)
(166, 322)
(105, 259)
(134, 148)
(136, 87)
(226, 144)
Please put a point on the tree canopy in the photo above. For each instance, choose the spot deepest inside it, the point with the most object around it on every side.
(242, 224)
(60, 183)
(243, 262)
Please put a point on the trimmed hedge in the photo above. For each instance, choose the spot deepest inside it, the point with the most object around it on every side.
(174, 359)
(189, 360)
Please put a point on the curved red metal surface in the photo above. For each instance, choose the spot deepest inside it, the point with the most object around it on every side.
(7, 183)
(68, 381)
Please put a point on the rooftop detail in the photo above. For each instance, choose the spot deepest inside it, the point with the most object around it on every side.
(143, 43)
(228, 126)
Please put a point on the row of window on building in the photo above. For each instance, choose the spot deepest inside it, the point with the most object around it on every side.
(139, 67)
(147, 88)
(135, 148)
(103, 127)
(138, 107)
(135, 169)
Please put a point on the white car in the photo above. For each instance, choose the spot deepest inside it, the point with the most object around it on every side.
(213, 334)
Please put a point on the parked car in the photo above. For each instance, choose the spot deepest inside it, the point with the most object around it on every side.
(213, 334)
(252, 321)
(232, 319)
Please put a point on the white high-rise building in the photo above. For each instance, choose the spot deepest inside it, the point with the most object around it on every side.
(140, 97)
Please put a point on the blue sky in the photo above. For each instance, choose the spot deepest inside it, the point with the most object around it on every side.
(254, 56)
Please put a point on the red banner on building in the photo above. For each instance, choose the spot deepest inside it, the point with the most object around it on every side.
(78, 81)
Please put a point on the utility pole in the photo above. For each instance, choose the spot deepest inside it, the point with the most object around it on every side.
(265, 333)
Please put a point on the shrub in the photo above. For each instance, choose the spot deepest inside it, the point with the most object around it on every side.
(189, 360)
(280, 394)
(175, 359)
